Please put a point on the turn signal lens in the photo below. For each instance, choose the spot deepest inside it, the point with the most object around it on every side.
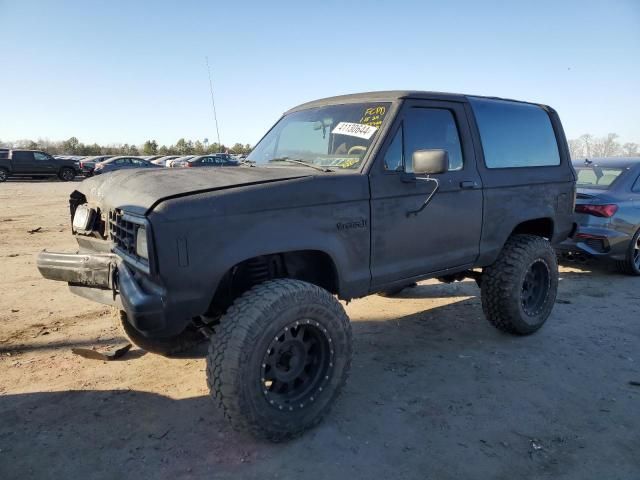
(141, 243)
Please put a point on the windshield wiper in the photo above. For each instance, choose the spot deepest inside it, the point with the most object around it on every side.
(300, 162)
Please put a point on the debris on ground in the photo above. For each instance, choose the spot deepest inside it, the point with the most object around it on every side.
(634, 383)
(35, 230)
(113, 354)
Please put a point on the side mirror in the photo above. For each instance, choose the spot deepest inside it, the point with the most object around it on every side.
(430, 162)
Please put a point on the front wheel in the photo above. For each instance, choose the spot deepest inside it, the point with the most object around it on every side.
(67, 174)
(4, 174)
(279, 359)
(519, 289)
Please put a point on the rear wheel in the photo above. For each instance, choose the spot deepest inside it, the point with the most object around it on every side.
(168, 346)
(4, 174)
(279, 359)
(66, 174)
(631, 264)
(519, 289)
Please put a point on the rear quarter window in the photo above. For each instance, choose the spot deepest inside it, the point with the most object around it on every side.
(515, 135)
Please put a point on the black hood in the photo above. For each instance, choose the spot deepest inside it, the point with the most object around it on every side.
(141, 190)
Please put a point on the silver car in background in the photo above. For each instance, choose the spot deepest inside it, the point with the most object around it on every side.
(607, 212)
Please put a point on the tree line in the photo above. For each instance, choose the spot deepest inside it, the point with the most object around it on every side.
(588, 146)
(73, 146)
(585, 146)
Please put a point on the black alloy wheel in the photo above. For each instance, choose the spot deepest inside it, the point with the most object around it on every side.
(296, 365)
(535, 287)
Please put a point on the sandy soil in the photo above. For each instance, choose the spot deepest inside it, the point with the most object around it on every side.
(435, 391)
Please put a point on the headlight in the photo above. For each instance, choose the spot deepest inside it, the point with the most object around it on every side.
(141, 243)
(82, 218)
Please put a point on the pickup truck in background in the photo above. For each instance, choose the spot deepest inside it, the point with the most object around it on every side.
(35, 163)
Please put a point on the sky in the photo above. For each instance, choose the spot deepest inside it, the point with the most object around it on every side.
(125, 71)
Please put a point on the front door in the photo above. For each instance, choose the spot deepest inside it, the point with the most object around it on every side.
(446, 233)
(44, 163)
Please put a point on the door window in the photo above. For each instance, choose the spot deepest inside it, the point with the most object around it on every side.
(432, 128)
(40, 156)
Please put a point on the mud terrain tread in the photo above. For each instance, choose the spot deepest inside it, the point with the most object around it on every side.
(498, 282)
(241, 326)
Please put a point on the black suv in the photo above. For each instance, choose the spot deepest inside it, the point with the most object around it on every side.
(35, 163)
(344, 197)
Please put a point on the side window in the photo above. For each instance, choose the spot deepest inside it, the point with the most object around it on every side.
(432, 128)
(636, 186)
(515, 135)
(393, 160)
(40, 156)
(122, 161)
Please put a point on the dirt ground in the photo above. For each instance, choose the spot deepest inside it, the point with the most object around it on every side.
(434, 392)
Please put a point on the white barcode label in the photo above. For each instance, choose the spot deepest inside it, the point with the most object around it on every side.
(355, 130)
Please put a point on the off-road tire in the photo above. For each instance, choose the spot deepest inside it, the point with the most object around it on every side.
(245, 338)
(503, 285)
(66, 174)
(631, 264)
(167, 347)
(4, 175)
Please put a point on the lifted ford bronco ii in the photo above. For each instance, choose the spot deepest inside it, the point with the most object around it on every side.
(344, 197)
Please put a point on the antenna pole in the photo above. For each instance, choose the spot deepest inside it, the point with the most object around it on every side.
(213, 103)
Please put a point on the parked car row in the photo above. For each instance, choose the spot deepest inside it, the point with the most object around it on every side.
(35, 163)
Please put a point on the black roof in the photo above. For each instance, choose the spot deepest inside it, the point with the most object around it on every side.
(393, 95)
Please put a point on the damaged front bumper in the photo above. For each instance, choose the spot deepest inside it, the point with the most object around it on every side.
(106, 279)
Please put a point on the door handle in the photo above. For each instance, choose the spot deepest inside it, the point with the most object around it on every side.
(468, 184)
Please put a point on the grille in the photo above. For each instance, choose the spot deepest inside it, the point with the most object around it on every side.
(122, 232)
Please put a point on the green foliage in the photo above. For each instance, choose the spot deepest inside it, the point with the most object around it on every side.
(150, 147)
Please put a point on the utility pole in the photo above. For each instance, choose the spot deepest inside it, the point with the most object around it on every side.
(213, 103)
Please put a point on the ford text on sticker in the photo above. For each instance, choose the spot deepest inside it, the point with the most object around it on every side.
(355, 130)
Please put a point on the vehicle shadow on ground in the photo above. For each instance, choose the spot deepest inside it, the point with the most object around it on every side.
(42, 180)
(425, 390)
(466, 288)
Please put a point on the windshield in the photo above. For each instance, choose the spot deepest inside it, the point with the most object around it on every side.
(596, 176)
(334, 136)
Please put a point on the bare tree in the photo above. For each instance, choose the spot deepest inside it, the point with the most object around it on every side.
(631, 150)
(588, 146)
